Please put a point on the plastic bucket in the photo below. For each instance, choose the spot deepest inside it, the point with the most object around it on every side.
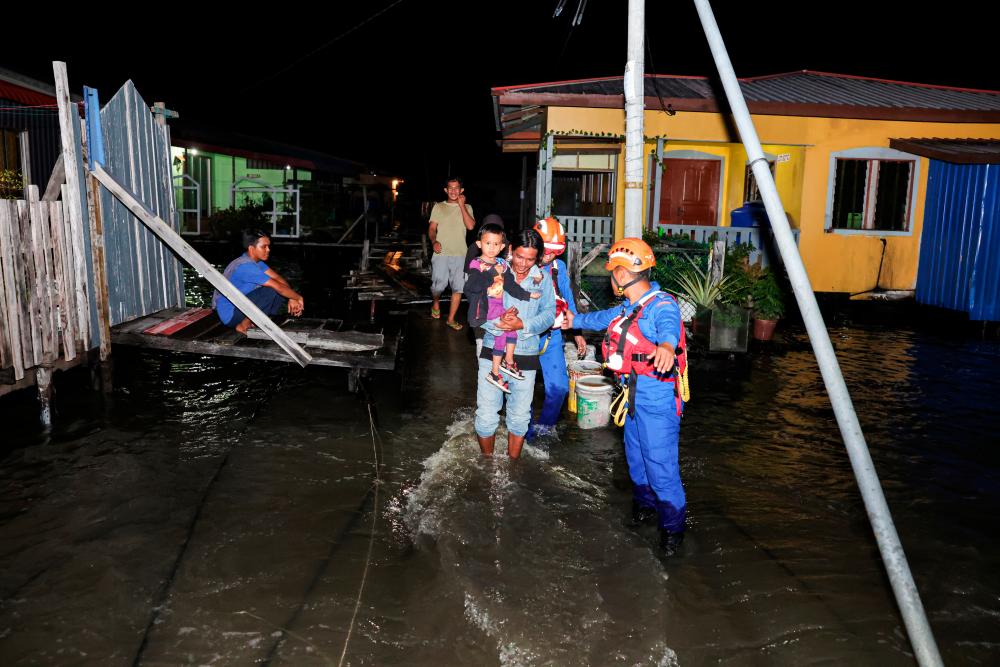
(579, 369)
(593, 401)
(571, 355)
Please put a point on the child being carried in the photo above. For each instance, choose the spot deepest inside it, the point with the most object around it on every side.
(490, 276)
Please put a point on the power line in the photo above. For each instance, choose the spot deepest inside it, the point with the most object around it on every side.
(321, 47)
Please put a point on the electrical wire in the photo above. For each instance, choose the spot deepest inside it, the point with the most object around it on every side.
(656, 85)
(321, 47)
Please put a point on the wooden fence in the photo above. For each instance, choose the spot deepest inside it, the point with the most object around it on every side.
(44, 302)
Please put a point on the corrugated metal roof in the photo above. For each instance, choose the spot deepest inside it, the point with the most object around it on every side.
(23, 89)
(189, 135)
(821, 88)
(961, 151)
(805, 87)
(15, 93)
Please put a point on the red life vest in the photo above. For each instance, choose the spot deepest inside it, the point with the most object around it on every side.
(627, 350)
(562, 306)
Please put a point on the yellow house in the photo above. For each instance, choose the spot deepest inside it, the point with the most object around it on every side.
(836, 144)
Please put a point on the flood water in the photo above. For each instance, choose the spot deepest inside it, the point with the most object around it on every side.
(228, 512)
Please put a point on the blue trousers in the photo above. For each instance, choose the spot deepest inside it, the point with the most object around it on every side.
(264, 298)
(555, 378)
(651, 436)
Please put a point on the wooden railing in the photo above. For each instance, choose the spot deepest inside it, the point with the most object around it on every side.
(758, 237)
(588, 230)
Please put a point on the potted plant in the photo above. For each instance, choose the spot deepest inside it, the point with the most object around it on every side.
(768, 305)
(699, 287)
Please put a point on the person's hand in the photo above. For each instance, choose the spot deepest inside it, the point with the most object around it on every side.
(296, 306)
(461, 200)
(567, 323)
(499, 267)
(509, 321)
(581, 345)
(663, 358)
(437, 247)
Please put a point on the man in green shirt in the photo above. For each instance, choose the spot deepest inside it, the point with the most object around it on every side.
(449, 221)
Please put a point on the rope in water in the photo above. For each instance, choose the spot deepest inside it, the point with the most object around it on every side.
(371, 534)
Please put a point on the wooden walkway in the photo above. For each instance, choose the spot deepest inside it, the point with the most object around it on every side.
(198, 331)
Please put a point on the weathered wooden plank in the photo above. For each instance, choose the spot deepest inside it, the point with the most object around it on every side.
(32, 316)
(42, 240)
(11, 300)
(184, 249)
(74, 193)
(70, 287)
(338, 341)
(100, 287)
(64, 291)
(56, 181)
(75, 239)
(381, 360)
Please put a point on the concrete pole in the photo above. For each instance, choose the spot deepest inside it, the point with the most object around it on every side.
(634, 108)
(907, 597)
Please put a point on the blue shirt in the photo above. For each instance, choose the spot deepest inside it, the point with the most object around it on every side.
(660, 322)
(246, 275)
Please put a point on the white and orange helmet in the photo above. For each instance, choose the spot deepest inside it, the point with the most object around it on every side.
(553, 235)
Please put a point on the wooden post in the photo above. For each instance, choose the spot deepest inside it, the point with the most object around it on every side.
(73, 198)
(171, 238)
(425, 259)
(365, 249)
(574, 251)
(717, 262)
(43, 378)
(25, 161)
(100, 293)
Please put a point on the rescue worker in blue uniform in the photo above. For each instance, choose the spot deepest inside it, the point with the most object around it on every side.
(643, 346)
(551, 354)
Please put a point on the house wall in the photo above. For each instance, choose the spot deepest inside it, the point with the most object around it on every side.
(223, 175)
(837, 261)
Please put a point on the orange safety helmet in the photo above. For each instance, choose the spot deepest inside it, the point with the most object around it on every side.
(553, 235)
(632, 254)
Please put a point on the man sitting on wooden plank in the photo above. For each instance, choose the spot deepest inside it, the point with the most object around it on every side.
(263, 285)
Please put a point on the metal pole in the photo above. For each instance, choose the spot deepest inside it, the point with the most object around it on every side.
(907, 597)
(634, 108)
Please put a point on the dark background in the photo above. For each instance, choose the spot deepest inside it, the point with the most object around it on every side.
(404, 85)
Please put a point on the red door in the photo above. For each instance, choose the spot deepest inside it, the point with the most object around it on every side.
(689, 194)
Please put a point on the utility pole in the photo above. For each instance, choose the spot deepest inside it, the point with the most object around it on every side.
(634, 107)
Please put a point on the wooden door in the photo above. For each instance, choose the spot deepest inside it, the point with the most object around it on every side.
(689, 193)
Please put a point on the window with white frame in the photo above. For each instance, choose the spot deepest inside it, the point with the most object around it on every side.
(750, 190)
(872, 192)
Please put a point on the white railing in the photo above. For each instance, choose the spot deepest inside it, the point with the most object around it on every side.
(588, 230)
(758, 237)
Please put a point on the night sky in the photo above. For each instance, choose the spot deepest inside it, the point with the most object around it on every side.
(404, 84)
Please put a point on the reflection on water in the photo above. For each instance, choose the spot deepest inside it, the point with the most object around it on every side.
(218, 512)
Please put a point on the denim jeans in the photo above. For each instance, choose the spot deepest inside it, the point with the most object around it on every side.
(489, 400)
(264, 298)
